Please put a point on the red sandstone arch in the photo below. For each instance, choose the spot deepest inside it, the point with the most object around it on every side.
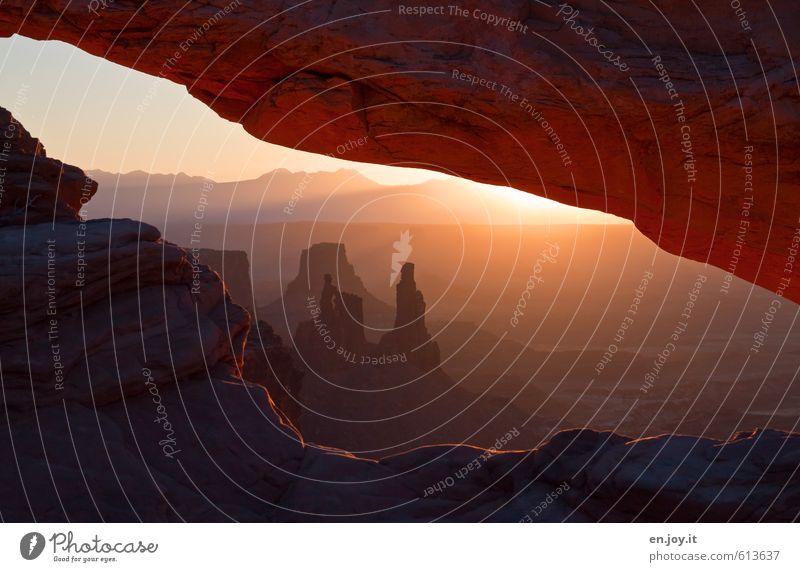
(360, 68)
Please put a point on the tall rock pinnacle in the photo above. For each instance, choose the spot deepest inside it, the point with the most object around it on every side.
(410, 335)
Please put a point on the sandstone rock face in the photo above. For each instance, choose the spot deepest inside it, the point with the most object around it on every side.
(120, 361)
(66, 338)
(680, 117)
(33, 187)
(119, 364)
(233, 267)
(410, 336)
(333, 337)
(316, 262)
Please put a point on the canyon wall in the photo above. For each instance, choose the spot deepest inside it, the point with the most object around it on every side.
(681, 117)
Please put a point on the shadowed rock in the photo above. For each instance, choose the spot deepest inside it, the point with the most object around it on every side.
(233, 267)
(410, 336)
(316, 262)
(122, 402)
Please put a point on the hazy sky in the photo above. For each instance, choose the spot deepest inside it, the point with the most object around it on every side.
(84, 109)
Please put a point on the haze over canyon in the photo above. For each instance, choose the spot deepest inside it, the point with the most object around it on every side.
(306, 337)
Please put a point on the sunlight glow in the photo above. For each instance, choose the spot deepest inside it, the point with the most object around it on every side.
(95, 114)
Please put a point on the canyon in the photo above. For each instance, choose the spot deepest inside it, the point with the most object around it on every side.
(125, 390)
(90, 361)
(381, 399)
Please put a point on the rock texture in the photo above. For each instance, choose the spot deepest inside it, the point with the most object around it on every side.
(334, 338)
(678, 116)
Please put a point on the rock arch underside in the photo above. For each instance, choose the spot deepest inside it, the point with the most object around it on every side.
(687, 119)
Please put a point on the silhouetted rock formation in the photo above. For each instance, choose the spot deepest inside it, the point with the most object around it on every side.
(320, 260)
(267, 362)
(94, 321)
(326, 262)
(344, 313)
(333, 337)
(410, 336)
(382, 399)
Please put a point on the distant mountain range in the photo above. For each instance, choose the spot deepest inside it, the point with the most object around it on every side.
(284, 196)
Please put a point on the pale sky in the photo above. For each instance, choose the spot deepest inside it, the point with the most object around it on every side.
(84, 110)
